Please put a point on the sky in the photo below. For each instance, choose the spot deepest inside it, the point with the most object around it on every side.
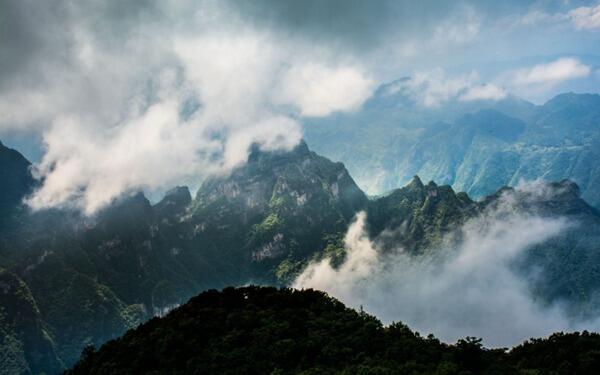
(112, 97)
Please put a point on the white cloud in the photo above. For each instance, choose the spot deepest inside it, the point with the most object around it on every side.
(461, 27)
(153, 112)
(532, 18)
(586, 18)
(560, 70)
(581, 18)
(433, 88)
(464, 288)
(319, 90)
(483, 92)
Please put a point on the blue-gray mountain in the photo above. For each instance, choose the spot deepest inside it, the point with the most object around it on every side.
(68, 281)
(476, 147)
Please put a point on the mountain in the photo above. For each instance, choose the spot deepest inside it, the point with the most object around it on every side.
(17, 181)
(276, 212)
(476, 147)
(256, 330)
(90, 279)
(417, 216)
(94, 278)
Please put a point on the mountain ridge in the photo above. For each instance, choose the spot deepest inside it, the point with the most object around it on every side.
(394, 137)
(262, 224)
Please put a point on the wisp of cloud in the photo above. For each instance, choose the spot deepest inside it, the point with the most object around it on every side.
(461, 289)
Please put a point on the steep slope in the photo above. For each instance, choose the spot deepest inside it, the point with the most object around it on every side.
(16, 179)
(26, 347)
(417, 216)
(268, 331)
(276, 212)
(470, 153)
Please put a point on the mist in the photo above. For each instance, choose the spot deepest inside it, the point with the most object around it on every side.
(462, 288)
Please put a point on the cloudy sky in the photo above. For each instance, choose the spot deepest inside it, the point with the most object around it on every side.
(109, 97)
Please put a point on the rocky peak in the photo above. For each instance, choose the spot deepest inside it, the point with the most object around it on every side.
(298, 177)
(415, 183)
(175, 201)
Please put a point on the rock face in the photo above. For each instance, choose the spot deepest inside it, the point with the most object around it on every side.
(474, 147)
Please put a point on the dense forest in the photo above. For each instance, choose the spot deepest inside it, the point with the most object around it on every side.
(264, 330)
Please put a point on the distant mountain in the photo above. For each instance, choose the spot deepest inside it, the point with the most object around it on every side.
(91, 279)
(476, 147)
(255, 330)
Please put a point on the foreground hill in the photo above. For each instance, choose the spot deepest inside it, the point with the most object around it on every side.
(256, 330)
(85, 280)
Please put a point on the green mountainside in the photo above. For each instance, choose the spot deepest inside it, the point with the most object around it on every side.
(476, 147)
(89, 280)
(256, 330)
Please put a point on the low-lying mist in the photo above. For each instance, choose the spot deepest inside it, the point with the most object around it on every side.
(463, 288)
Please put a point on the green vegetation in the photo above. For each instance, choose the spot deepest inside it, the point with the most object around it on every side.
(475, 147)
(255, 330)
(89, 280)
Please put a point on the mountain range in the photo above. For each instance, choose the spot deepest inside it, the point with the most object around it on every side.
(69, 281)
(475, 146)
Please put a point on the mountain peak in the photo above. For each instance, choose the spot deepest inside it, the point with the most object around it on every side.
(415, 183)
(175, 201)
(263, 203)
(257, 154)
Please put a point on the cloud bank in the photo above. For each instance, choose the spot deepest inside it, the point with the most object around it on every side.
(163, 103)
(461, 289)
(560, 70)
(587, 18)
(436, 87)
